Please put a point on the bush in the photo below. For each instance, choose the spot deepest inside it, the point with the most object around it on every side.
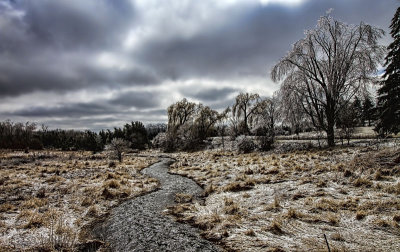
(116, 148)
(265, 143)
(181, 140)
(245, 144)
(160, 140)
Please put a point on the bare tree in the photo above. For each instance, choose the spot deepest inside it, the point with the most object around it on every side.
(246, 105)
(347, 121)
(265, 116)
(180, 115)
(332, 63)
(180, 112)
(117, 147)
(206, 118)
(292, 112)
(221, 125)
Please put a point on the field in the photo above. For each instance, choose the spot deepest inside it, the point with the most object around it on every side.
(289, 201)
(269, 201)
(47, 198)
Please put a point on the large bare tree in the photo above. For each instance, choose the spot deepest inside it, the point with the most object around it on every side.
(328, 67)
(180, 112)
(291, 111)
(264, 118)
(246, 105)
(206, 118)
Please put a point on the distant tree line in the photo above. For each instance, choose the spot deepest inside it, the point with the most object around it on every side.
(189, 124)
(29, 136)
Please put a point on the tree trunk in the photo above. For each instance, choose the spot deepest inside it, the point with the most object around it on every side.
(247, 130)
(331, 135)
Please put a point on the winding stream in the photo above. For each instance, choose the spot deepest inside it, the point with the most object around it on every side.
(139, 225)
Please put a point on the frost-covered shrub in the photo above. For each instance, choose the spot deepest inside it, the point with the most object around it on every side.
(116, 148)
(265, 143)
(245, 144)
(159, 141)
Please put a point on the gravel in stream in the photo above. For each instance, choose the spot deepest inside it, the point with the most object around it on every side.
(139, 225)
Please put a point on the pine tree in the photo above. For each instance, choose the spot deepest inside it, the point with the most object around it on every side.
(389, 92)
(357, 113)
(368, 110)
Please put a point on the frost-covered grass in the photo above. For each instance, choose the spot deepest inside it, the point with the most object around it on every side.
(266, 201)
(359, 133)
(48, 197)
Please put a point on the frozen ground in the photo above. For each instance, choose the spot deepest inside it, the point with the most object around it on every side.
(288, 201)
(48, 197)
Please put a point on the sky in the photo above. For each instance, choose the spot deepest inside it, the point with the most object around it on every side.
(97, 64)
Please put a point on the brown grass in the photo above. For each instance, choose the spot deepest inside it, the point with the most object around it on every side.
(288, 200)
(78, 186)
(275, 227)
(183, 198)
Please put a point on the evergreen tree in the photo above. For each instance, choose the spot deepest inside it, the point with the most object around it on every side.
(368, 110)
(357, 111)
(389, 92)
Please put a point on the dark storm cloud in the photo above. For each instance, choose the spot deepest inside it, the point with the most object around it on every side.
(73, 24)
(79, 110)
(138, 100)
(210, 94)
(65, 110)
(50, 45)
(18, 78)
(253, 39)
(121, 104)
(66, 46)
(53, 45)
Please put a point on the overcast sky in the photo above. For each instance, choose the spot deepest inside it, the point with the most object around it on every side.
(96, 64)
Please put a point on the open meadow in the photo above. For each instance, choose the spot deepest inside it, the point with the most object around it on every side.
(48, 198)
(289, 201)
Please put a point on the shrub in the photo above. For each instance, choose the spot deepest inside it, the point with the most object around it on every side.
(117, 147)
(160, 140)
(41, 193)
(265, 143)
(245, 144)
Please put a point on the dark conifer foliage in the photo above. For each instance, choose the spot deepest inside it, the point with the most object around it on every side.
(27, 136)
(357, 112)
(389, 92)
(369, 111)
(154, 129)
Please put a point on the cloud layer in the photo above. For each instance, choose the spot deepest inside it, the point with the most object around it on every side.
(99, 63)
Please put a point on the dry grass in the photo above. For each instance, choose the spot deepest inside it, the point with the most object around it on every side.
(285, 202)
(49, 197)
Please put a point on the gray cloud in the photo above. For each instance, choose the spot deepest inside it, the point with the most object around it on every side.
(139, 100)
(62, 47)
(65, 110)
(211, 94)
(252, 40)
(53, 45)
